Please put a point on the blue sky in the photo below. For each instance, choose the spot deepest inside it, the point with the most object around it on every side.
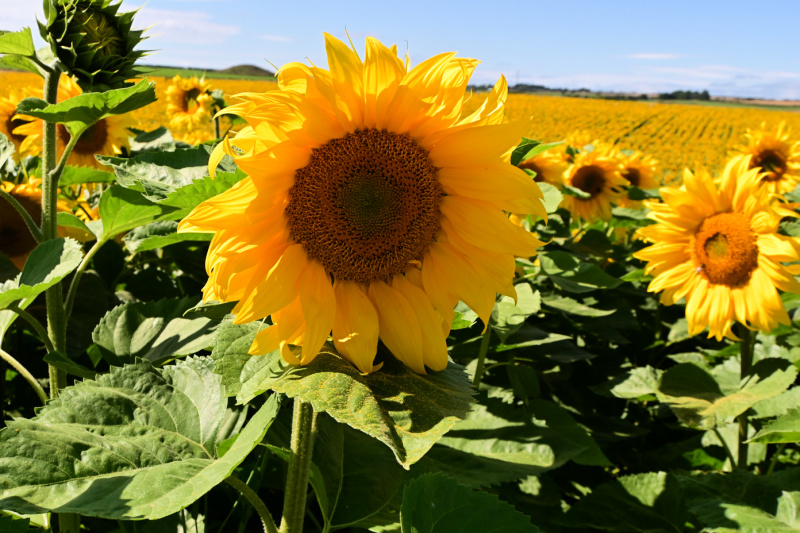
(730, 48)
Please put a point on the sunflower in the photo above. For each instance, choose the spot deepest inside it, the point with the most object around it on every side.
(371, 208)
(639, 170)
(718, 246)
(10, 121)
(776, 156)
(548, 166)
(108, 136)
(189, 104)
(597, 174)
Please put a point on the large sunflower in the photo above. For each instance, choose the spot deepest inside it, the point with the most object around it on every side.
(10, 121)
(596, 173)
(189, 109)
(720, 249)
(639, 170)
(548, 166)
(371, 208)
(776, 155)
(109, 136)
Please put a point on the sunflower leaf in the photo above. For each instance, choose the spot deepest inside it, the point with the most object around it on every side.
(49, 263)
(155, 331)
(785, 428)
(573, 275)
(136, 443)
(406, 411)
(190, 196)
(436, 503)
(530, 148)
(82, 111)
(122, 209)
(18, 43)
(552, 197)
(158, 235)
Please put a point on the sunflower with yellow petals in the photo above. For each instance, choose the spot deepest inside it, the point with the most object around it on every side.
(10, 122)
(372, 206)
(189, 109)
(776, 155)
(548, 166)
(108, 136)
(718, 246)
(639, 170)
(597, 174)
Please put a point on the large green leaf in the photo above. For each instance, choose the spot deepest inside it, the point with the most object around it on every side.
(122, 209)
(529, 148)
(508, 317)
(6, 150)
(435, 503)
(82, 111)
(17, 43)
(648, 503)
(137, 443)
(200, 190)
(49, 263)
(406, 411)
(572, 275)
(785, 428)
(697, 399)
(158, 235)
(155, 331)
(160, 173)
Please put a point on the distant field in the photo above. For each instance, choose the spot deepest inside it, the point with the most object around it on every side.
(169, 72)
(679, 135)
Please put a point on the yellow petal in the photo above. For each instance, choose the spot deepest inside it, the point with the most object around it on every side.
(355, 326)
(434, 342)
(399, 326)
(319, 309)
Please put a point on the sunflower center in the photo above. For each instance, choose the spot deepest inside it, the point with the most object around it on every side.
(11, 125)
(772, 162)
(15, 237)
(190, 100)
(633, 176)
(366, 205)
(92, 140)
(725, 249)
(590, 179)
(531, 165)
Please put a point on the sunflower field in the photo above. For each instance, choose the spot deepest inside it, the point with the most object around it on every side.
(365, 298)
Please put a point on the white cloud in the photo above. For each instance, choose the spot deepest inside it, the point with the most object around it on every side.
(653, 57)
(191, 27)
(275, 38)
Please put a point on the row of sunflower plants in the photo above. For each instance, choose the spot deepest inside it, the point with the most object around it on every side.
(370, 310)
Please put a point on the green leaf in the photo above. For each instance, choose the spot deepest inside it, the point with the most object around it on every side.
(21, 63)
(159, 173)
(82, 111)
(13, 525)
(406, 411)
(698, 401)
(574, 307)
(78, 175)
(464, 317)
(68, 220)
(649, 503)
(552, 197)
(211, 309)
(6, 150)
(530, 148)
(572, 275)
(569, 190)
(435, 503)
(49, 263)
(155, 331)
(62, 362)
(158, 235)
(785, 428)
(190, 196)
(138, 443)
(17, 43)
(636, 383)
(122, 209)
(507, 316)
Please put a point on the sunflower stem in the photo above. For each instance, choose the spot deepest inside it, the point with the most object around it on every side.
(484, 349)
(76, 278)
(304, 429)
(19, 367)
(257, 503)
(746, 347)
(35, 324)
(35, 231)
(55, 173)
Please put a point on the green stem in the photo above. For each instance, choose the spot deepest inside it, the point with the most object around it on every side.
(35, 324)
(35, 231)
(746, 347)
(25, 374)
(73, 286)
(304, 429)
(775, 457)
(484, 349)
(728, 451)
(69, 523)
(255, 501)
(55, 173)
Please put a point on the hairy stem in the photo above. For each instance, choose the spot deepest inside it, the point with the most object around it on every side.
(255, 501)
(35, 324)
(304, 429)
(746, 347)
(7, 357)
(76, 278)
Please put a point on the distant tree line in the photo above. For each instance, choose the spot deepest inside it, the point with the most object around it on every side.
(685, 95)
(587, 93)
